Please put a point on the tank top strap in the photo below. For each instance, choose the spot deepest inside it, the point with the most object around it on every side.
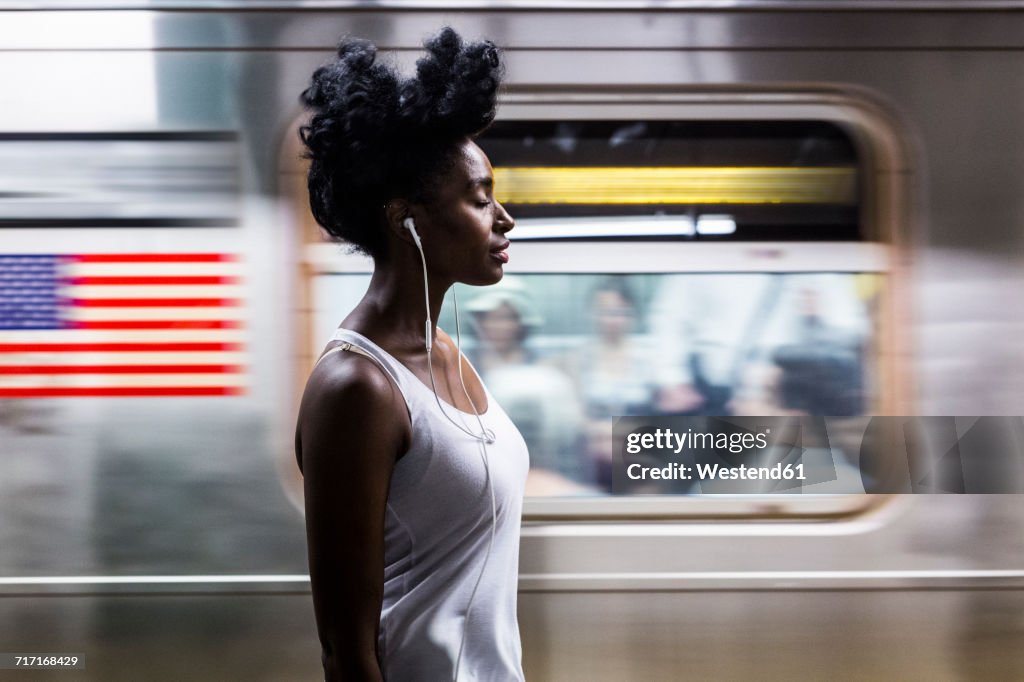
(354, 342)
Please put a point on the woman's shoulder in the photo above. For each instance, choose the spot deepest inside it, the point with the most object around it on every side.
(348, 397)
(348, 380)
(349, 405)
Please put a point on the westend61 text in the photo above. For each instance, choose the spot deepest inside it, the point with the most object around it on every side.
(709, 472)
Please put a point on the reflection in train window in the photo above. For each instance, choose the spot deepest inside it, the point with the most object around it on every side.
(664, 268)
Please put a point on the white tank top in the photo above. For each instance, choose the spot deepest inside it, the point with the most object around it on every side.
(437, 528)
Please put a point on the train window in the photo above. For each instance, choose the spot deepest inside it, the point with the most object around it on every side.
(710, 180)
(564, 353)
(665, 266)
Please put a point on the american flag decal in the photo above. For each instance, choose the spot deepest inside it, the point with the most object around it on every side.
(120, 324)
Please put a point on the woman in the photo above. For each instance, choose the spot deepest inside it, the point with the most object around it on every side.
(413, 494)
(539, 397)
(612, 371)
(503, 319)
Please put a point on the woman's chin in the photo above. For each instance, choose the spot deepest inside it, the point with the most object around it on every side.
(499, 275)
(493, 276)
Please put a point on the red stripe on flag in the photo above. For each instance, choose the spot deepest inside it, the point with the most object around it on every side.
(117, 347)
(120, 369)
(82, 392)
(156, 324)
(155, 302)
(154, 257)
(153, 279)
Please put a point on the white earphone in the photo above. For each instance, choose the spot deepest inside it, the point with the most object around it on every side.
(484, 438)
(485, 435)
(410, 225)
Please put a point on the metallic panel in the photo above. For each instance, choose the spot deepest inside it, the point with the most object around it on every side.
(498, 5)
(646, 29)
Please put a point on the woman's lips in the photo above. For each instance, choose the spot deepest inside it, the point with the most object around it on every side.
(501, 253)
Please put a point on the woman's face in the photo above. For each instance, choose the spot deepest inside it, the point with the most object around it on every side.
(465, 226)
(501, 327)
(614, 315)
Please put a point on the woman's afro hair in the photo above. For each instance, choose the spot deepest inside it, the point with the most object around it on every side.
(374, 136)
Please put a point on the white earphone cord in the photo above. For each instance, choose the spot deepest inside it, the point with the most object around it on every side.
(486, 437)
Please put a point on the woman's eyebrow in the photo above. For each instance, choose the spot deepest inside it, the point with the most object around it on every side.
(484, 180)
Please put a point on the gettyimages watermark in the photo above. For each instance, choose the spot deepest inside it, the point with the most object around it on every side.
(817, 455)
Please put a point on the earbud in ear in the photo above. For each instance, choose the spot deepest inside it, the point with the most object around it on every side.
(410, 225)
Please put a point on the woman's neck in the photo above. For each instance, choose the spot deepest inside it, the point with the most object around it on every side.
(393, 309)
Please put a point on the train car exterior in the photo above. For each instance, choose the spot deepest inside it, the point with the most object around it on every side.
(150, 517)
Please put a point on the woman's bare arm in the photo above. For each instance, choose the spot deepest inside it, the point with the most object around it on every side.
(352, 426)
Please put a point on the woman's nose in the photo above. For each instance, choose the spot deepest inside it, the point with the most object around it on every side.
(505, 221)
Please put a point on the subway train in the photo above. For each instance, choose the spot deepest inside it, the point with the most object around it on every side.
(693, 176)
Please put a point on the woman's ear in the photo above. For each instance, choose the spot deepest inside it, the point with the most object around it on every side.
(395, 213)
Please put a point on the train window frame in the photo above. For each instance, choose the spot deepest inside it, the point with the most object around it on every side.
(883, 159)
